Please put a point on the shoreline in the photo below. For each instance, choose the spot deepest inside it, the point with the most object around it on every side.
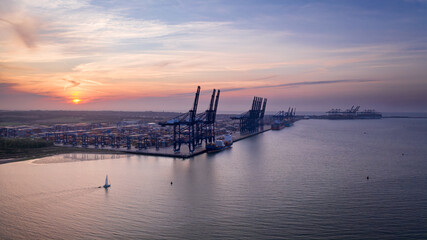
(18, 155)
(34, 153)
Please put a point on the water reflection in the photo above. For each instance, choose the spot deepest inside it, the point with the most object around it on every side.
(77, 157)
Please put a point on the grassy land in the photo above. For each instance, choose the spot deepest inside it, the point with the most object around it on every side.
(16, 118)
(9, 144)
(20, 149)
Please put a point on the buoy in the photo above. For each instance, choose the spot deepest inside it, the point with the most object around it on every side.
(367, 177)
(403, 154)
(171, 183)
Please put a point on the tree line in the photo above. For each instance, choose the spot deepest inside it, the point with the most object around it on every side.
(8, 143)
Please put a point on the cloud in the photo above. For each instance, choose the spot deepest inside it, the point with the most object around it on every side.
(72, 83)
(126, 55)
(293, 84)
(307, 83)
(7, 85)
(26, 30)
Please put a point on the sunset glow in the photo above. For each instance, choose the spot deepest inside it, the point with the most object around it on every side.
(151, 55)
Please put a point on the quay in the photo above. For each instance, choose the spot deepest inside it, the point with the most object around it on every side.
(166, 151)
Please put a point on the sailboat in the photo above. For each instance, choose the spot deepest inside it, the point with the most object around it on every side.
(107, 185)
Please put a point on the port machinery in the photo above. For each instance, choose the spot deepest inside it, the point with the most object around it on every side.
(205, 121)
(283, 119)
(282, 115)
(347, 114)
(191, 128)
(353, 113)
(252, 120)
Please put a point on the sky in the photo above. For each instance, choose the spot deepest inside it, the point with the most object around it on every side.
(151, 55)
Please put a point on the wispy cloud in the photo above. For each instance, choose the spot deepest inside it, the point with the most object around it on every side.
(26, 30)
(71, 83)
(295, 84)
(292, 84)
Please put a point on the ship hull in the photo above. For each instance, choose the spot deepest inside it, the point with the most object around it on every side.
(216, 149)
(279, 126)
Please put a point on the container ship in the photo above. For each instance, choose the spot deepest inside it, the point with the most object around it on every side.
(220, 145)
(281, 124)
(283, 119)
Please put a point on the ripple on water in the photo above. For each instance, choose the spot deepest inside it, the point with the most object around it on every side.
(304, 182)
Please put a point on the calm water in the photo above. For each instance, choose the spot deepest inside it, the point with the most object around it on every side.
(304, 182)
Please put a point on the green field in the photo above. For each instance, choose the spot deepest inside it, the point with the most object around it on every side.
(16, 118)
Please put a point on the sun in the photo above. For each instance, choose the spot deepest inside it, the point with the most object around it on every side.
(76, 101)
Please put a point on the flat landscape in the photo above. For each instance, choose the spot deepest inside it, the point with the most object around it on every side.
(15, 118)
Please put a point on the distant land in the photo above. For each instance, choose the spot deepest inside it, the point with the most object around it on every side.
(15, 118)
(47, 117)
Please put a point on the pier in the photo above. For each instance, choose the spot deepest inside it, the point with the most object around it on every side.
(166, 151)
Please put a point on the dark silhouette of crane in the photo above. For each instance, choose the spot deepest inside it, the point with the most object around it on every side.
(252, 120)
(205, 122)
(191, 128)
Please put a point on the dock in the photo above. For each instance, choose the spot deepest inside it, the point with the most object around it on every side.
(166, 151)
